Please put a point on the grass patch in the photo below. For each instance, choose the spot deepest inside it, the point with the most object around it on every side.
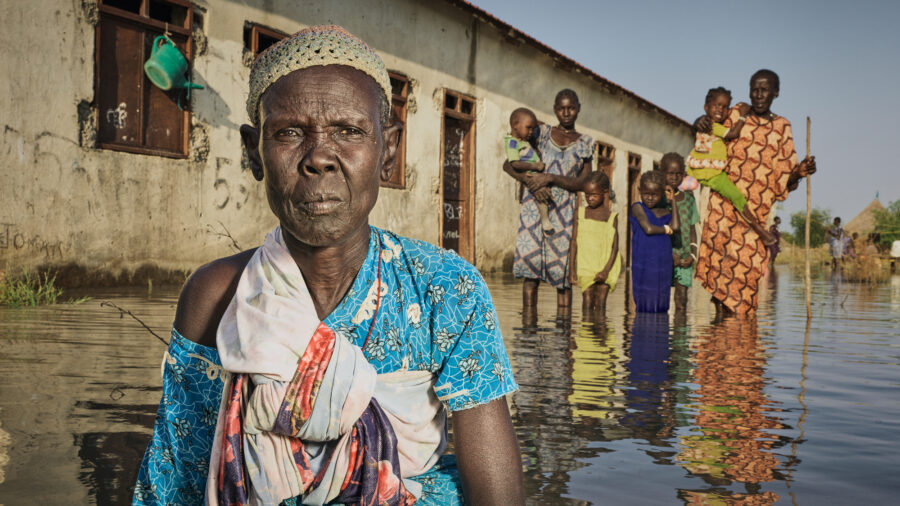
(862, 269)
(30, 291)
(866, 269)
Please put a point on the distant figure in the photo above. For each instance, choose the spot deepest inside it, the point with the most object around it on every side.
(596, 244)
(837, 241)
(775, 248)
(762, 163)
(871, 248)
(523, 158)
(709, 158)
(684, 243)
(895, 255)
(567, 157)
(850, 249)
(651, 246)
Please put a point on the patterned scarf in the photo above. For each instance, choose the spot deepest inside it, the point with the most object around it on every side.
(303, 413)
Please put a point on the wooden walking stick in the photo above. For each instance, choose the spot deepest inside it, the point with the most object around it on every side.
(808, 213)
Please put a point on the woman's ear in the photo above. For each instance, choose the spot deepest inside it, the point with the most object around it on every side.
(250, 139)
(391, 147)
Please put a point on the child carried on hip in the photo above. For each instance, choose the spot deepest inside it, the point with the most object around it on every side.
(524, 158)
(709, 158)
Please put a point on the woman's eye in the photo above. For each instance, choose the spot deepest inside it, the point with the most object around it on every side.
(350, 132)
(288, 134)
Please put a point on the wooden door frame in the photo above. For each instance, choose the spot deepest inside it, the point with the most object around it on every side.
(467, 220)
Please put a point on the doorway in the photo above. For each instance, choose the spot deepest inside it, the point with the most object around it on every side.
(458, 175)
(634, 178)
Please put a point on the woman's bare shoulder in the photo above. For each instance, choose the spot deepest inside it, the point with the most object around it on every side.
(205, 296)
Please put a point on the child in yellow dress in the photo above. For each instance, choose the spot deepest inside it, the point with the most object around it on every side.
(709, 158)
(596, 244)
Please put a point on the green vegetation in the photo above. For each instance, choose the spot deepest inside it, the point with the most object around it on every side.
(28, 290)
(887, 222)
(820, 220)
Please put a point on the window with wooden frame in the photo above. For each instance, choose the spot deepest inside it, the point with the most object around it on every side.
(258, 38)
(399, 98)
(634, 176)
(634, 162)
(606, 151)
(655, 164)
(133, 114)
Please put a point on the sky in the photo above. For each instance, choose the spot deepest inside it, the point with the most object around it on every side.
(839, 63)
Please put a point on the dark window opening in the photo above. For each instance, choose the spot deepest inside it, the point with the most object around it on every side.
(605, 150)
(399, 98)
(466, 107)
(126, 5)
(168, 13)
(450, 102)
(634, 161)
(608, 152)
(258, 38)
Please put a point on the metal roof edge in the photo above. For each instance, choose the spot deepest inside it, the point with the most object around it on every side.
(511, 32)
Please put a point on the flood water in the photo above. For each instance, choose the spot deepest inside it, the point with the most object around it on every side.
(630, 410)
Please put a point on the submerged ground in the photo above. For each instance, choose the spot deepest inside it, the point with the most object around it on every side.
(626, 410)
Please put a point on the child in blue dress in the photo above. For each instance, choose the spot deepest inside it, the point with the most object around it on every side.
(652, 226)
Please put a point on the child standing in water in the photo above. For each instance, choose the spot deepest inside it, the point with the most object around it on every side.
(684, 241)
(775, 248)
(651, 246)
(836, 241)
(709, 158)
(596, 243)
(525, 158)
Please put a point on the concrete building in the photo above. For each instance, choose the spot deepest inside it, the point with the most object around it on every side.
(105, 175)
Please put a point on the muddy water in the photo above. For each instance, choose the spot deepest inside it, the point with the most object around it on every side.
(621, 410)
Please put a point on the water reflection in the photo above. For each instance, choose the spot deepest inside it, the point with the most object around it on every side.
(620, 409)
(731, 440)
(649, 411)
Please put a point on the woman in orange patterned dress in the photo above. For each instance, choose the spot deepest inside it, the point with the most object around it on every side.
(762, 163)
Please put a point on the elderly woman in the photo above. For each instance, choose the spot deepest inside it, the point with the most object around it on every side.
(320, 367)
(762, 163)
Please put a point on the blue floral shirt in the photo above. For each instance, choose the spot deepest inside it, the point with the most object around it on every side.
(435, 313)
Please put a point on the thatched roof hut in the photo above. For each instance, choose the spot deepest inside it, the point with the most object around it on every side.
(864, 222)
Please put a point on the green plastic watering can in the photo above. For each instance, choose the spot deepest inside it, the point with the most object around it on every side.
(166, 67)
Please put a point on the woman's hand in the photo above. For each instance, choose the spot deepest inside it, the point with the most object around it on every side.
(537, 181)
(743, 108)
(703, 124)
(807, 166)
(543, 195)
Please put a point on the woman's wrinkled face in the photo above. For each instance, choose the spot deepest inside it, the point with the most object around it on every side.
(566, 111)
(762, 93)
(322, 150)
(651, 194)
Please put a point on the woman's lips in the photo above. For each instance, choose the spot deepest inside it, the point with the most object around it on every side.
(318, 206)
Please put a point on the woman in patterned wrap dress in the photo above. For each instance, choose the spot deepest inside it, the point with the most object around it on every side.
(763, 164)
(567, 156)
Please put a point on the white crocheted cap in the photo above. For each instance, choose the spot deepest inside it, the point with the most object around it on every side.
(311, 47)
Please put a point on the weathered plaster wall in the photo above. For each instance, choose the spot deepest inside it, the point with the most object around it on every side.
(63, 202)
